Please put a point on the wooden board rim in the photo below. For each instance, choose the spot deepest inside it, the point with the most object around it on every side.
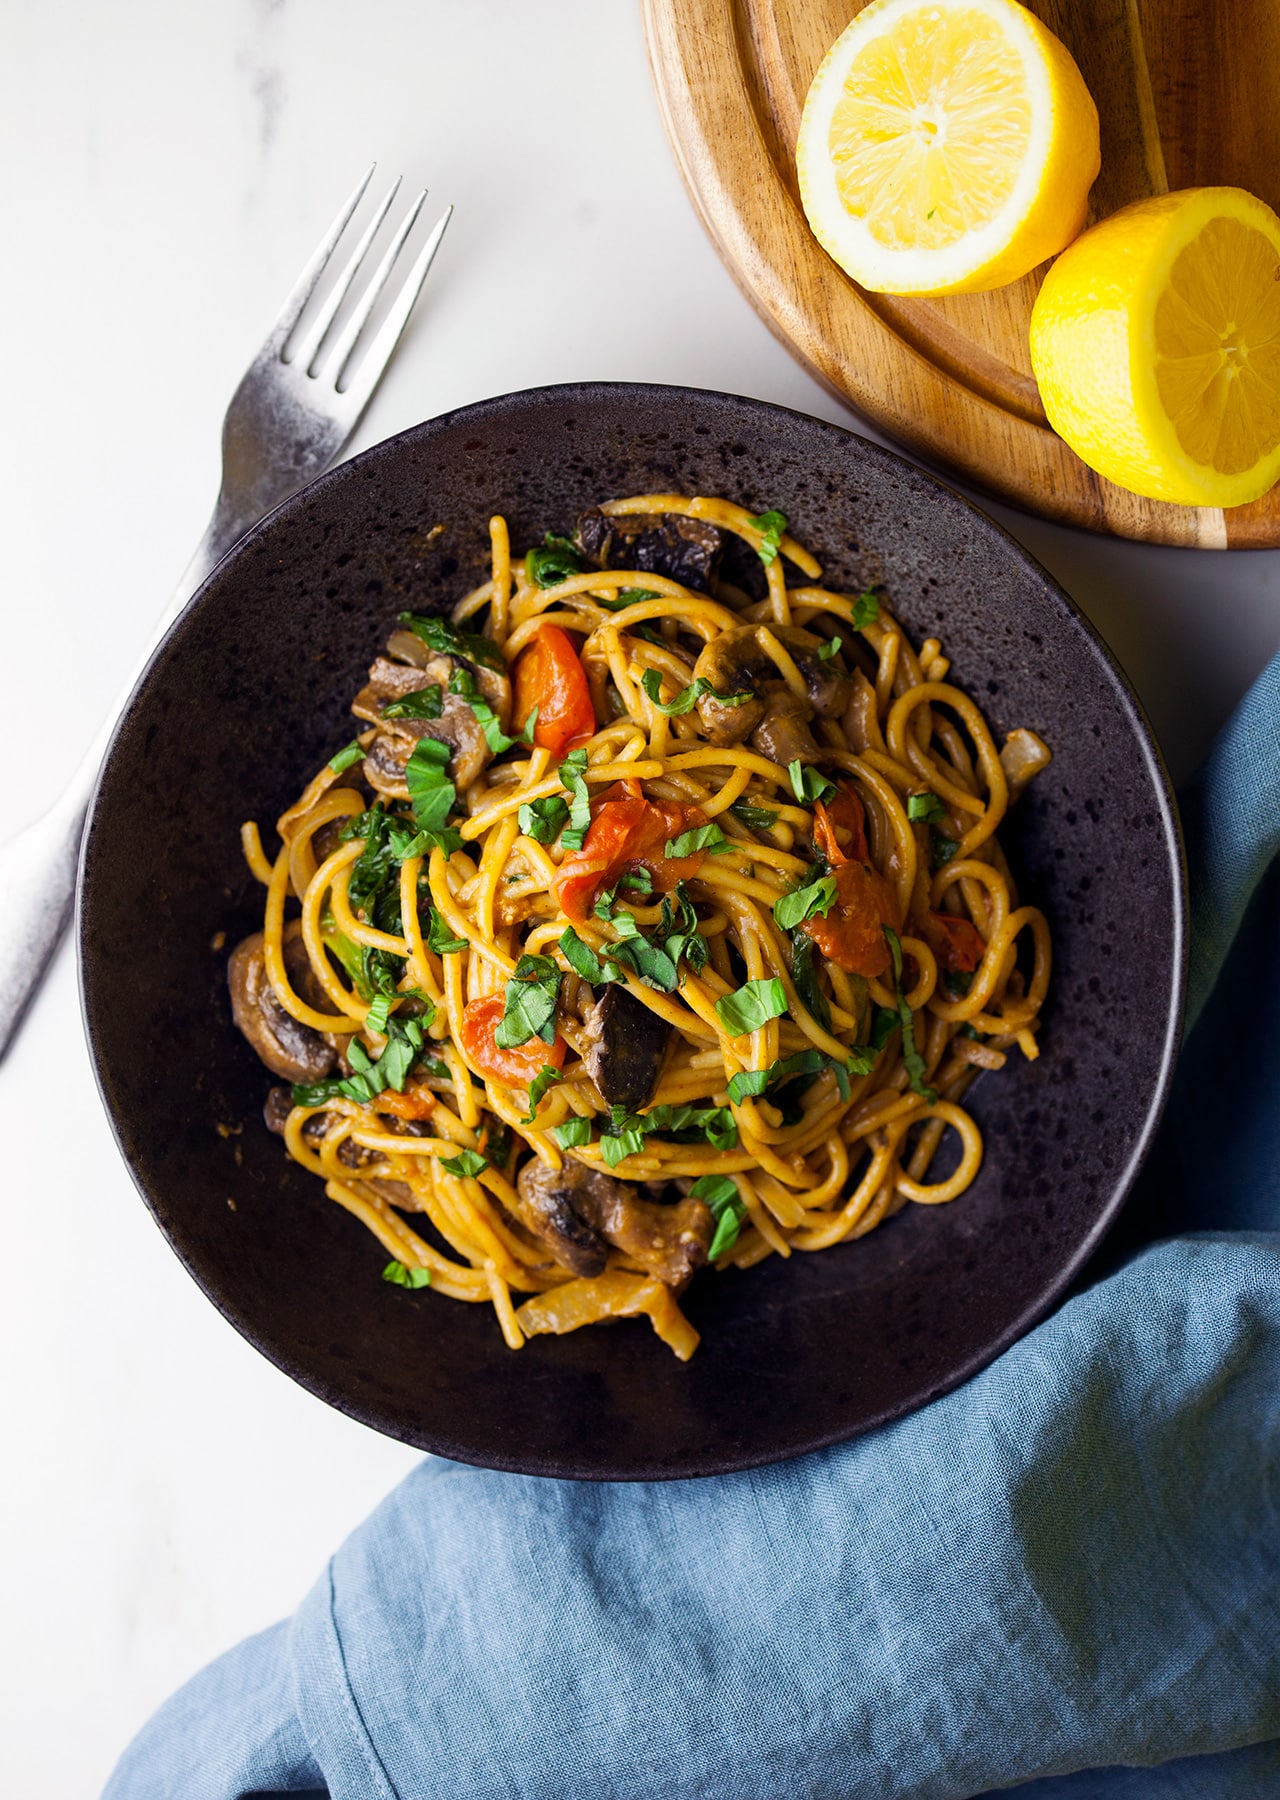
(949, 416)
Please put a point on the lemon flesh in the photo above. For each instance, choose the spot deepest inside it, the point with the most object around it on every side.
(1156, 343)
(946, 147)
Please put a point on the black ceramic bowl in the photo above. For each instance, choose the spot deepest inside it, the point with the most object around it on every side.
(247, 696)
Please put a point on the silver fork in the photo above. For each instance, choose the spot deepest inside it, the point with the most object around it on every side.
(288, 419)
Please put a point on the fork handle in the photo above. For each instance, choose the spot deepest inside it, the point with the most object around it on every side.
(38, 867)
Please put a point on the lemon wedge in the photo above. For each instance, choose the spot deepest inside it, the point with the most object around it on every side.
(947, 147)
(1156, 342)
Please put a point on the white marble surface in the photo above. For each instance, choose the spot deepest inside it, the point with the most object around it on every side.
(168, 167)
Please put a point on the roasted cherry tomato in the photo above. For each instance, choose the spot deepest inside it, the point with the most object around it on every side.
(840, 827)
(550, 676)
(480, 1021)
(852, 933)
(413, 1103)
(956, 942)
(625, 832)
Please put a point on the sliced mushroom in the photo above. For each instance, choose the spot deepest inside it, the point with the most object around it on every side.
(860, 720)
(579, 1212)
(626, 1042)
(457, 726)
(684, 550)
(289, 1049)
(671, 1242)
(409, 667)
(783, 735)
(276, 1110)
(738, 662)
(547, 1206)
(393, 681)
(494, 684)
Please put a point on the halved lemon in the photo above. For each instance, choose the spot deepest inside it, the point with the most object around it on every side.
(1156, 342)
(946, 147)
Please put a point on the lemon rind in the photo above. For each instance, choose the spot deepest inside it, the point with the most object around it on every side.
(1124, 433)
(1009, 244)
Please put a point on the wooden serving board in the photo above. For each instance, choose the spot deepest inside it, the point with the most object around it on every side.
(1188, 94)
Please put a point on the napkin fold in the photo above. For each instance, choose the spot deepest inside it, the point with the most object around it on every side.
(1064, 1575)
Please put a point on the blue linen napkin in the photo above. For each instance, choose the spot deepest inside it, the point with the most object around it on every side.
(1064, 1575)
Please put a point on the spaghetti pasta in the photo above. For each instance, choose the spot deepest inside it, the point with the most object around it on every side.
(655, 919)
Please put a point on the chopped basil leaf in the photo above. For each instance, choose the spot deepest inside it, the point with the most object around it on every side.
(828, 650)
(654, 959)
(447, 640)
(678, 929)
(758, 1081)
(718, 1191)
(910, 1053)
(752, 1005)
(544, 1079)
(374, 884)
(423, 703)
(689, 696)
(530, 1006)
(345, 758)
(651, 961)
(556, 560)
(772, 525)
(803, 902)
(883, 1026)
(862, 1059)
(381, 972)
(806, 782)
(378, 1015)
(432, 753)
(728, 1209)
(682, 1124)
(805, 975)
(526, 734)
(758, 817)
(463, 683)
(728, 1226)
(405, 1041)
(583, 960)
(721, 1129)
(944, 850)
(866, 610)
(431, 795)
(347, 952)
(400, 1276)
(624, 1143)
(958, 981)
(925, 809)
(434, 1066)
(640, 879)
(440, 936)
(572, 1134)
(702, 837)
(541, 819)
(406, 846)
(572, 774)
(467, 1162)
